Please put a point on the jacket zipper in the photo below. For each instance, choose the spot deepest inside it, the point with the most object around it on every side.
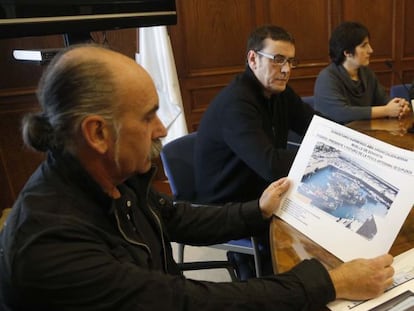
(127, 238)
(158, 222)
(162, 239)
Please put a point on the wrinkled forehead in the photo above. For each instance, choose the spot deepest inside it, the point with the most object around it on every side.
(137, 91)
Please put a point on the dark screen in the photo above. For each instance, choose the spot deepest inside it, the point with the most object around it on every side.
(20, 18)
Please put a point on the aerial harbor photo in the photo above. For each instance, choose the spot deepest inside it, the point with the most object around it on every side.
(343, 187)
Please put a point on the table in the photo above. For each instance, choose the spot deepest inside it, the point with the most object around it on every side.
(392, 131)
(289, 246)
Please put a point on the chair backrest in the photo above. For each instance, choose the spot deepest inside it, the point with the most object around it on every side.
(177, 159)
(309, 100)
(400, 90)
(294, 140)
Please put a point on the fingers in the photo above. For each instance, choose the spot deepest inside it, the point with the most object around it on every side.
(279, 182)
(362, 279)
(404, 108)
(386, 277)
(389, 275)
(270, 200)
(281, 186)
(385, 260)
(398, 107)
(382, 273)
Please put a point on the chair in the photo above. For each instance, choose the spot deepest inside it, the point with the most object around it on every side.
(400, 90)
(310, 100)
(294, 140)
(177, 159)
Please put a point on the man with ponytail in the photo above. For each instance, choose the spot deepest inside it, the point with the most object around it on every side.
(88, 232)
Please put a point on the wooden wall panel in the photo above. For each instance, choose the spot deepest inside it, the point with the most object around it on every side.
(307, 21)
(378, 17)
(18, 82)
(199, 91)
(17, 161)
(408, 29)
(214, 42)
(311, 22)
(22, 74)
(209, 45)
(210, 48)
(6, 195)
(383, 34)
(407, 43)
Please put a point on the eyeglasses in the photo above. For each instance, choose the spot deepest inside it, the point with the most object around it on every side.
(280, 60)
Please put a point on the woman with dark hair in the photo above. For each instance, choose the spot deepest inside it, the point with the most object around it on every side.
(347, 89)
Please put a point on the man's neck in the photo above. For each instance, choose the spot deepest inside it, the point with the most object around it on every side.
(96, 169)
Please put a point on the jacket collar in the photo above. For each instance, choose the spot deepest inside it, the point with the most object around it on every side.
(257, 86)
(253, 81)
(74, 173)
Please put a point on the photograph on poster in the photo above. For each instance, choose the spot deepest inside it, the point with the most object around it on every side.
(350, 185)
(343, 187)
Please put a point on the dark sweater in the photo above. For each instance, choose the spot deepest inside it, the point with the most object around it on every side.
(242, 137)
(343, 100)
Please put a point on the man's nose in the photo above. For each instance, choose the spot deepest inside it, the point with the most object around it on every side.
(160, 130)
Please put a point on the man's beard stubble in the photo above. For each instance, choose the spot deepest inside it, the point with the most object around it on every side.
(156, 148)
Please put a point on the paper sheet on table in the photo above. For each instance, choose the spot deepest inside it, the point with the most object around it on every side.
(350, 193)
(399, 297)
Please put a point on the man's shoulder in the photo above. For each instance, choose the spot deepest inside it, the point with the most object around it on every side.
(240, 90)
(241, 84)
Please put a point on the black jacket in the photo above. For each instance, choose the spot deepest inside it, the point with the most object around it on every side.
(247, 134)
(68, 246)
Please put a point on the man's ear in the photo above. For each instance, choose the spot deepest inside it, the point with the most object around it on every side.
(252, 59)
(96, 133)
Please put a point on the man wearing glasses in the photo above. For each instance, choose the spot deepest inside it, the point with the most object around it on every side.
(242, 137)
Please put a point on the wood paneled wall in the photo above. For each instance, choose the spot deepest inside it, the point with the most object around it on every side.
(209, 45)
(18, 82)
(210, 38)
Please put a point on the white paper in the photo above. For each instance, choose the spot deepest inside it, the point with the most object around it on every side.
(399, 297)
(350, 193)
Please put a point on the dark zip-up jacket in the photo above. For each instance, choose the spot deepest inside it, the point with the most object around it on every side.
(68, 246)
(247, 134)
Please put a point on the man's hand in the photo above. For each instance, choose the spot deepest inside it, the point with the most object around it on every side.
(270, 200)
(362, 279)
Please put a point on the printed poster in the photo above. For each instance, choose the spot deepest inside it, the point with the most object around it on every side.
(350, 193)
